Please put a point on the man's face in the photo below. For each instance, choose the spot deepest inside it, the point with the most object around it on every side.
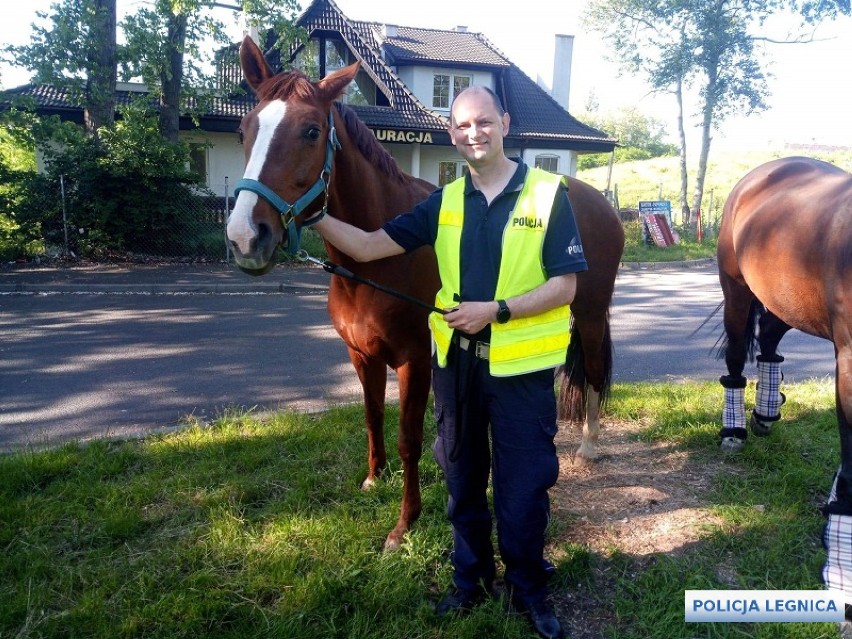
(477, 128)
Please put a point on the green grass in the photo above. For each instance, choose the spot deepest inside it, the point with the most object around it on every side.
(256, 527)
(635, 249)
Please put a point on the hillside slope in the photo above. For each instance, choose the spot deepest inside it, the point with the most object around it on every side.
(659, 178)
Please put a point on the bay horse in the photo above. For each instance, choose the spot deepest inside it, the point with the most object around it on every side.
(785, 261)
(303, 147)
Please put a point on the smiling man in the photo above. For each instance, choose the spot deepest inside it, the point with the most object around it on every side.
(508, 252)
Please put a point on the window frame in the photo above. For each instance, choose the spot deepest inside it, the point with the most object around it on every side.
(451, 88)
(549, 157)
(460, 170)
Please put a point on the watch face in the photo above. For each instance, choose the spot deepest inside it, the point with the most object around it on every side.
(503, 314)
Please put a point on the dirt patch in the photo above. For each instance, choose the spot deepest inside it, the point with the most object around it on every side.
(642, 499)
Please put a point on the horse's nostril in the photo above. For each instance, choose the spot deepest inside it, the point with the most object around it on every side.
(263, 231)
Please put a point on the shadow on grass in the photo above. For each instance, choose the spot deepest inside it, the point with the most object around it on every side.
(763, 527)
(256, 528)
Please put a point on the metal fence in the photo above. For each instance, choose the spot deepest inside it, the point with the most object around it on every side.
(190, 227)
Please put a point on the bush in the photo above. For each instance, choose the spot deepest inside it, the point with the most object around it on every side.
(126, 191)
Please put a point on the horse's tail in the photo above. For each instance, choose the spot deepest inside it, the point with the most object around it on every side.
(573, 387)
(755, 311)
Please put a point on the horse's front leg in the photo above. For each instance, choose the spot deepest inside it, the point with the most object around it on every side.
(374, 376)
(414, 380)
(837, 536)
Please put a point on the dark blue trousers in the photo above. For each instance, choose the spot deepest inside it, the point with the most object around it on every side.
(521, 457)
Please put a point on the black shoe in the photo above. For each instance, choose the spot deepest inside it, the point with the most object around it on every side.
(542, 618)
(459, 600)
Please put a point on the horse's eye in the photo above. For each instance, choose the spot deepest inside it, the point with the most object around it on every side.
(313, 133)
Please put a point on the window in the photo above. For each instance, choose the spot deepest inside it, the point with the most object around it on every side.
(198, 160)
(547, 162)
(449, 171)
(442, 96)
(321, 56)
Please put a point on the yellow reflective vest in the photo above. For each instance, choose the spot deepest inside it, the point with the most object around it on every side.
(520, 345)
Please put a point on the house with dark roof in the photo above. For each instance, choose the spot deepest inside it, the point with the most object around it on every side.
(403, 92)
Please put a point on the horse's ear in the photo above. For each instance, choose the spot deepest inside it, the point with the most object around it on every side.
(255, 67)
(333, 85)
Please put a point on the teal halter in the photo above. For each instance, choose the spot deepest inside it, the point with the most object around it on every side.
(288, 211)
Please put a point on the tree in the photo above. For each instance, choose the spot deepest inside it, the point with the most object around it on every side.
(166, 48)
(76, 52)
(702, 45)
(640, 137)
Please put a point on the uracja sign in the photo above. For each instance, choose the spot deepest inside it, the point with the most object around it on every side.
(392, 135)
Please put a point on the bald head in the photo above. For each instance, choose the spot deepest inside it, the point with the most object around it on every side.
(477, 91)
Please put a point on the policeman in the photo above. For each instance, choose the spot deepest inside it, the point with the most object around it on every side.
(508, 252)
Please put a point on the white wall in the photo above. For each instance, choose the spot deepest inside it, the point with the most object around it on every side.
(420, 81)
(567, 159)
(225, 159)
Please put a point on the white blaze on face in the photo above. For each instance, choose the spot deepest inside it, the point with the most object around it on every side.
(241, 229)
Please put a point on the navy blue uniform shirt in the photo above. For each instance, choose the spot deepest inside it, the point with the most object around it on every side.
(482, 235)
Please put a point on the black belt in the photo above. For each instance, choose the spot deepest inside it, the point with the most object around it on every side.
(480, 349)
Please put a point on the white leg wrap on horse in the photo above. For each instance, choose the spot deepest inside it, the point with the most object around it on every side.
(837, 539)
(733, 434)
(768, 398)
(733, 412)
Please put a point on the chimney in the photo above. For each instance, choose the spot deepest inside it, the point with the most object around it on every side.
(562, 54)
(389, 31)
(250, 29)
(461, 28)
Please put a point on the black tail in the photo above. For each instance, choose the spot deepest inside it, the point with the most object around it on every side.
(573, 388)
(755, 312)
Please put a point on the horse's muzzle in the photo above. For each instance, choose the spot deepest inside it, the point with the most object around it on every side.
(254, 246)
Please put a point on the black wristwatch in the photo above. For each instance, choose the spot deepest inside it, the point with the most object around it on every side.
(503, 313)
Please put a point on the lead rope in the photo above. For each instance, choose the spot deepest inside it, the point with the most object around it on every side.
(336, 269)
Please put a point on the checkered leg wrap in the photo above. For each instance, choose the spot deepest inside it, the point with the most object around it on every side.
(768, 399)
(837, 539)
(733, 433)
(733, 411)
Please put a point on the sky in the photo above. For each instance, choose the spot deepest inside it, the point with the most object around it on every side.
(810, 101)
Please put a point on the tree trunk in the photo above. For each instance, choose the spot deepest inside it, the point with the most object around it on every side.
(684, 178)
(171, 77)
(706, 124)
(101, 68)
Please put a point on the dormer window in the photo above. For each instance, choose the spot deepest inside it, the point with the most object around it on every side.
(445, 87)
(323, 55)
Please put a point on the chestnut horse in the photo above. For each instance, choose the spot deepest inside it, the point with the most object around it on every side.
(785, 261)
(304, 148)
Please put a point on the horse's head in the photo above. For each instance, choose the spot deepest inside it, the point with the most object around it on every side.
(289, 144)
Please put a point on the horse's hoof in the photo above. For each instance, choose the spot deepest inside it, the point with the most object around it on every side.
(586, 455)
(368, 483)
(580, 460)
(759, 427)
(732, 445)
(393, 542)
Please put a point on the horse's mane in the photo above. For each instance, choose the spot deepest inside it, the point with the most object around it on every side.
(296, 84)
(285, 85)
(367, 143)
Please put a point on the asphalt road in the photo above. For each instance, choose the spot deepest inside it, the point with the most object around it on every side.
(76, 366)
